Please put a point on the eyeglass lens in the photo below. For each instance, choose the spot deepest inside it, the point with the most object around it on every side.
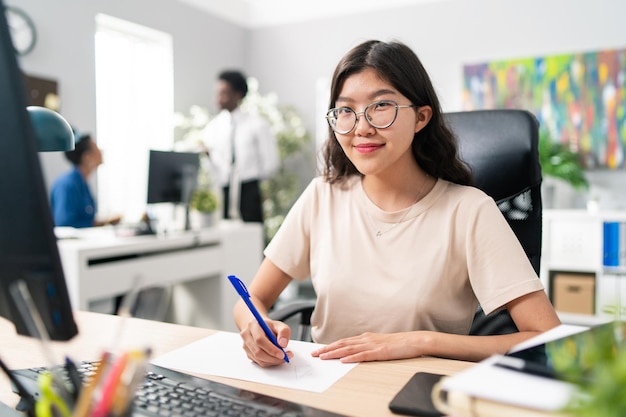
(380, 114)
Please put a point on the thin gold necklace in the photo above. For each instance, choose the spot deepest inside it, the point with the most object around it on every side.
(406, 213)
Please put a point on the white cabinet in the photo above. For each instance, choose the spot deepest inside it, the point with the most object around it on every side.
(572, 242)
(611, 293)
(573, 245)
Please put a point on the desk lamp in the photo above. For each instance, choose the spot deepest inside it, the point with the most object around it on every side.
(52, 131)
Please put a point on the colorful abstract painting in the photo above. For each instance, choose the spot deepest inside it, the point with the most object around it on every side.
(579, 98)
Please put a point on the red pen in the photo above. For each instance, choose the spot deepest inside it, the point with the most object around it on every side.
(109, 389)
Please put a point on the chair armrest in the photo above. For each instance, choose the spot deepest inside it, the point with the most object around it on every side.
(293, 308)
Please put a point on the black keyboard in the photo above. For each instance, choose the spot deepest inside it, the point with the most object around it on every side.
(168, 393)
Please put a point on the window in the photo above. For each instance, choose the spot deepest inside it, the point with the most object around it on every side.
(134, 101)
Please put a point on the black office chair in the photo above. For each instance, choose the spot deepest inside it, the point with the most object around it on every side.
(501, 147)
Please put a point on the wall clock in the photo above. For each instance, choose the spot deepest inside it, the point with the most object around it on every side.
(22, 29)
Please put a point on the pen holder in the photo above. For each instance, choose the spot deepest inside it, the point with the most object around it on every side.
(111, 391)
(125, 412)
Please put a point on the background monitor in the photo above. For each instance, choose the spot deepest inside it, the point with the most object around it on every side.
(28, 247)
(172, 176)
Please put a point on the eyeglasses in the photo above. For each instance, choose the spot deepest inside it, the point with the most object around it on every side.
(379, 114)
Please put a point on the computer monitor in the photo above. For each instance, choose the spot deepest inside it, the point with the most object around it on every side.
(28, 247)
(172, 177)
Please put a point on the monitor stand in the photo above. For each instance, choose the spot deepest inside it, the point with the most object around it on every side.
(190, 178)
(187, 221)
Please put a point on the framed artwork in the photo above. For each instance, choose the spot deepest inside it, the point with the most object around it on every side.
(42, 92)
(580, 99)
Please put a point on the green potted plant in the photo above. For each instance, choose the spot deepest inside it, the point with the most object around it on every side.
(558, 161)
(563, 174)
(202, 204)
(204, 201)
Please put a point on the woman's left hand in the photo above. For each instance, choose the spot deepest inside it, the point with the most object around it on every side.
(372, 347)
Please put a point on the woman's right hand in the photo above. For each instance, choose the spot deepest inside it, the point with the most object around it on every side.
(260, 348)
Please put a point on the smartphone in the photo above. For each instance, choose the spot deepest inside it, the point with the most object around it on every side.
(414, 399)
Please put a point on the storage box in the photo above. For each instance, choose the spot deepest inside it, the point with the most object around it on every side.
(574, 293)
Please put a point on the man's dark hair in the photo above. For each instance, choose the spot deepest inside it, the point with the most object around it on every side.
(236, 80)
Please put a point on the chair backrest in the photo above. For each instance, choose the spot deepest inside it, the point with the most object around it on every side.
(501, 147)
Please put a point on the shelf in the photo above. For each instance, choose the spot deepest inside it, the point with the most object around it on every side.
(614, 270)
(573, 243)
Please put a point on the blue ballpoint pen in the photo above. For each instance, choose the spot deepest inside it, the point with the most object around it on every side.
(241, 289)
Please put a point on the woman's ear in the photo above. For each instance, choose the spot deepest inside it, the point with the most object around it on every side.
(424, 113)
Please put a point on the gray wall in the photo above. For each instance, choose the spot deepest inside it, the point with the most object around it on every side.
(289, 59)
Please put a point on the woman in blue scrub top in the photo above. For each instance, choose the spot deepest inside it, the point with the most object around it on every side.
(71, 200)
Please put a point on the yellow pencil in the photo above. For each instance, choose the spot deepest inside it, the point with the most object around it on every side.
(83, 405)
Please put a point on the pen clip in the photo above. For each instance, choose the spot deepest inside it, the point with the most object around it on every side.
(240, 287)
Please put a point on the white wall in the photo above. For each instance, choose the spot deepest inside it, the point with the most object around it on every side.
(289, 59)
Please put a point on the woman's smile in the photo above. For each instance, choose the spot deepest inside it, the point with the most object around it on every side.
(368, 147)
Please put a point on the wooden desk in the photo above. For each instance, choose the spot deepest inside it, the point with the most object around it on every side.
(101, 265)
(364, 391)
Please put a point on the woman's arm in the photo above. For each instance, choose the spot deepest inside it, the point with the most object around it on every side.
(265, 288)
(532, 313)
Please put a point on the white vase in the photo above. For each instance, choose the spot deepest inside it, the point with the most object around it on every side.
(201, 220)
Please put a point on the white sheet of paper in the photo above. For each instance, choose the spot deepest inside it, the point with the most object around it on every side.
(221, 354)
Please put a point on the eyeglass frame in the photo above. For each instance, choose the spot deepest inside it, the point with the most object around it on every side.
(364, 113)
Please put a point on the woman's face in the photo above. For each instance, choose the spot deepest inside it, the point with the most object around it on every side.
(378, 151)
(93, 155)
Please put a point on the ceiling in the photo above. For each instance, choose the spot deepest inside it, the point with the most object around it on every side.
(262, 13)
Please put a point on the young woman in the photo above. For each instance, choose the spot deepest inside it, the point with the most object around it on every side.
(71, 199)
(399, 247)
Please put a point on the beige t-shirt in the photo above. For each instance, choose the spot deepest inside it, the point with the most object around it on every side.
(451, 251)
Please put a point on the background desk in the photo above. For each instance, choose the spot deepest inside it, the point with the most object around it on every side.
(100, 265)
(364, 391)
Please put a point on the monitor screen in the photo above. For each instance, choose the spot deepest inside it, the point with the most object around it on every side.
(28, 247)
(172, 176)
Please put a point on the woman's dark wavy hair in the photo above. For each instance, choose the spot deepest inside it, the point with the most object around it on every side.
(82, 145)
(434, 147)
